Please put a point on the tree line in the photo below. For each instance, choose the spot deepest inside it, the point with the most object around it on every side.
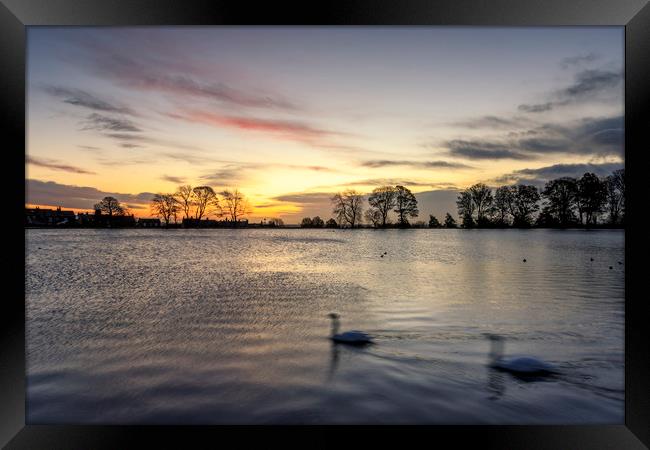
(187, 202)
(563, 202)
(200, 202)
(348, 208)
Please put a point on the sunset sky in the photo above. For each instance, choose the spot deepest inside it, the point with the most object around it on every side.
(291, 115)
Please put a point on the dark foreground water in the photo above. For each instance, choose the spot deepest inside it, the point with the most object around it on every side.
(230, 326)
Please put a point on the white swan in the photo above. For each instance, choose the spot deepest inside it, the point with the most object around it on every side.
(521, 365)
(353, 337)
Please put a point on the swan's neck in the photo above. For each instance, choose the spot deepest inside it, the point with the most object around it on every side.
(496, 350)
(335, 326)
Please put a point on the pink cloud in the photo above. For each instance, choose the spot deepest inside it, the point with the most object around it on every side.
(285, 129)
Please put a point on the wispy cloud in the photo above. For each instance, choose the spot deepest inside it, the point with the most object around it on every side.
(374, 182)
(493, 122)
(578, 60)
(133, 140)
(172, 179)
(164, 70)
(222, 92)
(588, 136)
(483, 149)
(236, 172)
(83, 99)
(101, 122)
(415, 164)
(70, 196)
(56, 165)
(305, 197)
(588, 84)
(284, 129)
(227, 174)
(540, 175)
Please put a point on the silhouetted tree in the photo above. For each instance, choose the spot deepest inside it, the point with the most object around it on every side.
(331, 224)
(374, 217)
(111, 206)
(592, 194)
(306, 222)
(523, 204)
(615, 184)
(185, 197)
(165, 206)
(434, 222)
(502, 205)
(317, 222)
(560, 195)
(546, 219)
(348, 207)
(619, 179)
(406, 205)
(276, 222)
(234, 204)
(465, 206)
(482, 199)
(382, 200)
(205, 199)
(450, 222)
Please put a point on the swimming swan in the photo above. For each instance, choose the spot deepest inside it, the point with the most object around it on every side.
(349, 337)
(521, 365)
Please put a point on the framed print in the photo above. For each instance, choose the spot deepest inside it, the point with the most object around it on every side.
(241, 220)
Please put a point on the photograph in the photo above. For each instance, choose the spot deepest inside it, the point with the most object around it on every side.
(325, 225)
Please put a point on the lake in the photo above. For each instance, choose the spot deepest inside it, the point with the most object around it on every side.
(230, 326)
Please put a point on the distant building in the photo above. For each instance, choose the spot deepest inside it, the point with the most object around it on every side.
(100, 220)
(197, 223)
(149, 223)
(37, 217)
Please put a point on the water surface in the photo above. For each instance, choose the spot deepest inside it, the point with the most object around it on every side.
(230, 326)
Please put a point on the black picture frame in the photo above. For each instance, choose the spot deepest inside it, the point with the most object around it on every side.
(15, 15)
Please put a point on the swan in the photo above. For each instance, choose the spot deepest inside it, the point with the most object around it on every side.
(521, 365)
(353, 337)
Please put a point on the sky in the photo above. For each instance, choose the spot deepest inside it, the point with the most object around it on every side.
(291, 115)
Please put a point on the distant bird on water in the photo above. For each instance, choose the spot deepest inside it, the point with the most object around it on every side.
(520, 365)
(591, 259)
(620, 263)
(610, 267)
(353, 337)
(524, 259)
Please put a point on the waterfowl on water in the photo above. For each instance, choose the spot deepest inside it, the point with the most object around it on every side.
(520, 365)
(591, 259)
(524, 259)
(352, 337)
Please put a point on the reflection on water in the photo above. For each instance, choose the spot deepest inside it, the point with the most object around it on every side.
(230, 326)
